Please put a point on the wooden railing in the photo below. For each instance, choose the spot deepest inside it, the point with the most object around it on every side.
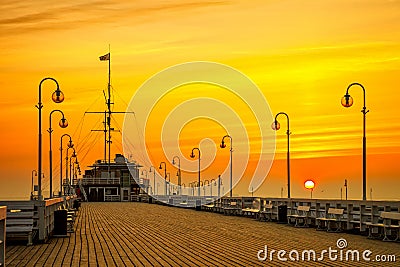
(357, 214)
(43, 212)
(112, 198)
(3, 215)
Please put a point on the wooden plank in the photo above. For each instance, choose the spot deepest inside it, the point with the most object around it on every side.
(139, 234)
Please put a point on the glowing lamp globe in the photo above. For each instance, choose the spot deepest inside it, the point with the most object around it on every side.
(222, 145)
(58, 96)
(347, 101)
(309, 184)
(63, 123)
(275, 126)
(70, 144)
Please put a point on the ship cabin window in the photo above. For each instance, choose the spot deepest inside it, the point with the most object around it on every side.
(113, 191)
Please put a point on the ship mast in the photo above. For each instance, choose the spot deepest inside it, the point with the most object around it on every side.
(107, 114)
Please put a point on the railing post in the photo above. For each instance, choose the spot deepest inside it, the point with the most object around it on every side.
(3, 215)
(41, 208)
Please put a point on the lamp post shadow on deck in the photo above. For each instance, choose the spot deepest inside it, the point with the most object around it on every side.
(57, 97)
(223, 145)
(165, 175)
(347, 101)
(193, 156)
(70, 145)
(63, 124)
(276, 126)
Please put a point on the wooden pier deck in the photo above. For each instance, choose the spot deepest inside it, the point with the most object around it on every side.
(140, 234)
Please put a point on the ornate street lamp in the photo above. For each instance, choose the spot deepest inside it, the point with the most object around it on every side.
(276, 126)
(70, 145)
(223, 145)
(179, 172)
(63, 124)
(347, 101)
(192, 156)
(57, 97)
(165, 175)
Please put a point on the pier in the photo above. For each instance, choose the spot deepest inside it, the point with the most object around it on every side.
(142, 234)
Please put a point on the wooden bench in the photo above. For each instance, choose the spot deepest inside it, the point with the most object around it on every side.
(252, 210)
(210, 206)
(21, 223)
(302, 213)
(333, 215)
(266, 214)
(232, 209)
(387, 224)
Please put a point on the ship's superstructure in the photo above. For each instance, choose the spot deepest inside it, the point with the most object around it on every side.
(114, 181)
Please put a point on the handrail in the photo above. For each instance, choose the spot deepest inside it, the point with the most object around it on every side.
(3, 215)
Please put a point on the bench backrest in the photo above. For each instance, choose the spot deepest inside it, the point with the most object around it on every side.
(233, 203)
(390, 215)
(335, 211)
(20, 215)
(303, 208)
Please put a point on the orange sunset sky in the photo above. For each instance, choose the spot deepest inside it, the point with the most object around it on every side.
(301, 54)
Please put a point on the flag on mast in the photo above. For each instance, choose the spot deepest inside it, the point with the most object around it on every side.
(105, 57)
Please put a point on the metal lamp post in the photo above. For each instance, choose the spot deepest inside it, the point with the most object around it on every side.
(219, 186)
(165, 175)
(222, 145)
(347, 101)
(147, 189)
(154, 181)
(215, 183)
(70, 170)
(63, 124)
(167, 184)
(276, 126)
(66, 166)
(192, 156)
(179, 172)
(34, 173)
(204, 188)
(70, 145)
(57, 97)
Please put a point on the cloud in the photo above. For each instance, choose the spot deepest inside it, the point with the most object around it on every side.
(21, 19)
